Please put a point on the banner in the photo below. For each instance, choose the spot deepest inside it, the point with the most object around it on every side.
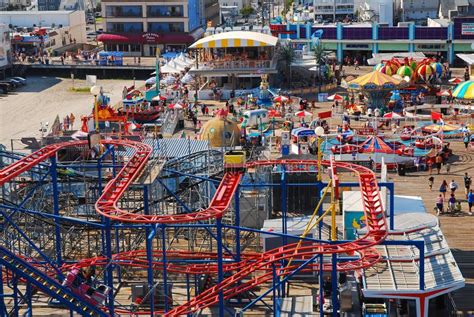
(325, 114)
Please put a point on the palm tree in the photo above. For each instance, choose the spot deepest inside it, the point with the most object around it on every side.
(286, 54)
(321, 57)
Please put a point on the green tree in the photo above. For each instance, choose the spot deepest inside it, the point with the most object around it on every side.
(321, 57)
(286, 55)
(246, 11)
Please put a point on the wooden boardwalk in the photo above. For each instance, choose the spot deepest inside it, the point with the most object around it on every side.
(459, 230)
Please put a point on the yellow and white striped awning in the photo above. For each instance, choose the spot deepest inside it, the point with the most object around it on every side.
(236, 39)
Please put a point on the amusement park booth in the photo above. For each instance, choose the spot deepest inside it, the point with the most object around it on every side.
(110, 58)
(300, 140)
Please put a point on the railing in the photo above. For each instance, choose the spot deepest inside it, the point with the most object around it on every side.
(235, 64)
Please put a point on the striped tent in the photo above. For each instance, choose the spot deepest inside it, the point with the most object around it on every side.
(375, 144)
(236, 39)
(374, 81)
(464, 90)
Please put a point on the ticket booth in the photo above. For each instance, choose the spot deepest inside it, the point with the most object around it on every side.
(300, 138)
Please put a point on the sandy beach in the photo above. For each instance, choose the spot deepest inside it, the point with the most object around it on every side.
(42, 99)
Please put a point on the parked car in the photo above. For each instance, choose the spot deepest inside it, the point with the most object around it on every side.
(5, 87)
(20, 79)
(13, 83)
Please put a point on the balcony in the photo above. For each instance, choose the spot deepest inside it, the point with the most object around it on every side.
(236, 66)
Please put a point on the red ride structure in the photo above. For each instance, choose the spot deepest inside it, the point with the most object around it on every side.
(250, 269)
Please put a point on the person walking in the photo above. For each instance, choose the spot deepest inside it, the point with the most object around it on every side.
(439, 204)
(439, 161)
(467, 183)
(430, 182)
(452, 204)
(466, 140)
(71, 121)
(470, 201)
(453, 186)
(443, 188)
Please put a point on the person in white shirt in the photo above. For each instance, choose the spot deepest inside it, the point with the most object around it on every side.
(453, 186)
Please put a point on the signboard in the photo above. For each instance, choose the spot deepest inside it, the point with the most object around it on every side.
(91, 80)
(150, 37)
(322, 97)
(467, 29)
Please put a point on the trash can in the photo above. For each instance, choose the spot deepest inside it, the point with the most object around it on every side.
(401, 169)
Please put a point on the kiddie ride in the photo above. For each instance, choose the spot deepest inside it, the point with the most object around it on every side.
(373, 144)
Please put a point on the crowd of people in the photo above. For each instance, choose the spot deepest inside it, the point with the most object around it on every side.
(453, 203)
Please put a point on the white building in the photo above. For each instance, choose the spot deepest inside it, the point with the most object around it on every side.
(61, 28)
(417, 11)
(380, 11)
(324, 9)
(234, 3)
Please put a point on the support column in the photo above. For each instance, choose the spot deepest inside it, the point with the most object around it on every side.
(165, 270)
(220, 268)
(237, 224)
(411, 37)
(339, 37)
(57, 227)
(375, 37)
(334, 282)
(449, 43)
(149, 253)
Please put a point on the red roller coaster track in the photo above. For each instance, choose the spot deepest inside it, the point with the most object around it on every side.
(107, 206)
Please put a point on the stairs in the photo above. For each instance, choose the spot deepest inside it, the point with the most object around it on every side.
(47, 285)
(170, 123)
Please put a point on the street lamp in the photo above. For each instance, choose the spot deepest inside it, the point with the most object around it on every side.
(95, 91)
(319, 133)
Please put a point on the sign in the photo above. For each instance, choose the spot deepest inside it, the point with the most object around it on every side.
(91, 80)
(150, 37)
(322, 97)
(467, 29)
(285, 138)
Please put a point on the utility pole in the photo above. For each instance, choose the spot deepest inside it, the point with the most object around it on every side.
(334, 12)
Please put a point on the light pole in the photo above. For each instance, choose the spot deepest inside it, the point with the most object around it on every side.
(157, 71)
(95, 91)
(319, 133)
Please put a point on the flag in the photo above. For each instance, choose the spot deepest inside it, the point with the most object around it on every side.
(436, 115)
(325, 114)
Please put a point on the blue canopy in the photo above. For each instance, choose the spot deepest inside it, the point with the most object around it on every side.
(300, 132)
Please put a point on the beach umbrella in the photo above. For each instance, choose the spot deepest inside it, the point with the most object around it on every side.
(159, 98)
(274, 113)
(438, 69)
(280, 99)
(336, 97)
(455, 80)
(392, 115)
(303, 113)
(425, 72)
(405, 71)
(464, 90)
(444, 93)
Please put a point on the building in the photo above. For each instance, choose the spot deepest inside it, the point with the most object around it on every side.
(417, 11)
(5, 48)
(48, 29)
(377, 11)
(364, 39)
(449, 9)
(14, 4)
(138, 28)
(324, 9)
(48, 5)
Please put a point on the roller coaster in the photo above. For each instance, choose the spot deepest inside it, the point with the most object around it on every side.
(31, 265)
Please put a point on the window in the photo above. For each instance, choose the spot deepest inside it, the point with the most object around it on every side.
(135, 48)
(159, 27)
(123, 11)
(122, 47)
(125, 27)
(165, 11)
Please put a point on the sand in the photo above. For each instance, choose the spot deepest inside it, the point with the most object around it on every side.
(22, 111)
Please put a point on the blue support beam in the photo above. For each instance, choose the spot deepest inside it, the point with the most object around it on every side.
(220, 268)
(57, 226)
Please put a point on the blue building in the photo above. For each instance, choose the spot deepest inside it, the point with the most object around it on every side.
(364, 39)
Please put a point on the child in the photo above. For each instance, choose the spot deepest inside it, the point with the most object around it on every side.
(439, 204)
(452, 203)
(430, 182)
